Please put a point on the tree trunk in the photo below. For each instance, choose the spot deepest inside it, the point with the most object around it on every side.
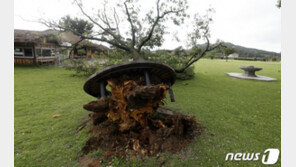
(136, 55)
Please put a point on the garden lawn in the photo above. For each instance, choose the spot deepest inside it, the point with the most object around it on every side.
(239, 116)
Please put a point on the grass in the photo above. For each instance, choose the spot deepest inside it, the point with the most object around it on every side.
(240, 116)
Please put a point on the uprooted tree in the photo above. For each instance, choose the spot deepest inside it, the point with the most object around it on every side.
(130, 122)
(110, 22)
(127, 119)
(124, 26)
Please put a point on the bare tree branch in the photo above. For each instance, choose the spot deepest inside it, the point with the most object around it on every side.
(157, 19)
(105, 20)
(116, 19)
(54, 26)
(116, 37)
(133, 31)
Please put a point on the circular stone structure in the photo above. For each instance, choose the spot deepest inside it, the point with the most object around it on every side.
(250, 70)
(249, 73)
(95, 85)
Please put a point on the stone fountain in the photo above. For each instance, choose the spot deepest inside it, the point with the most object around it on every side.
(249, 73)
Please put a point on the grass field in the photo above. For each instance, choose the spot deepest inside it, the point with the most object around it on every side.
(240, 116)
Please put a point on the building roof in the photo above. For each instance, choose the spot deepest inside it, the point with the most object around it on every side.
(28, 36)
(52, 36)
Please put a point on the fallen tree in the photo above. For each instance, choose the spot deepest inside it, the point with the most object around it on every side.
(109, 25)
(129, 122)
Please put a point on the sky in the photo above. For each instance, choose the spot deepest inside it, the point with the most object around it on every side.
(249, 23)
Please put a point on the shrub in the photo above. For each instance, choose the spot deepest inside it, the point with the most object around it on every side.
(81, 52)
(85, 67)
(273, 59)
(246, 58)
(82, 67)
(187, 74)
(175, 61)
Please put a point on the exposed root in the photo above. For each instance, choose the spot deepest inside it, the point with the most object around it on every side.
(98, 106)
(127, 124)
(167, 133)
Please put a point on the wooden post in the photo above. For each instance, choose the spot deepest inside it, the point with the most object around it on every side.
(34, 55)
(102, 89)
(72, 55)
(147, 79)
(171, 93)
(88, 53)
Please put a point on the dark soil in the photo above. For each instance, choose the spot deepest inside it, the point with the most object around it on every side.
(164, 133)
(130, 123)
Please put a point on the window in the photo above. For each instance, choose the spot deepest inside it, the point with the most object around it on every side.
(28, 52)
(18, 52)
(23, 52)
(44, 52)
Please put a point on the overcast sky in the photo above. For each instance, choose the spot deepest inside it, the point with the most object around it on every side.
(249, 23)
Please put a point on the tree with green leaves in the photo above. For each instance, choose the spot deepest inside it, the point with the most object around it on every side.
(110, 24)
(123, 25)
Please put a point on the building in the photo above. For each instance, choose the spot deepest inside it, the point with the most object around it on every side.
(50, 47)
(233, 56)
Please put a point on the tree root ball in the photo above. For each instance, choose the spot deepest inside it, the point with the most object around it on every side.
(130, 122)
(163, 133)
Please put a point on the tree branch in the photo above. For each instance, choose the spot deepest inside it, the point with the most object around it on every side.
(158, 18)
(75, 45)
(54, 26)
(116, 19)
(152, 28)
(116, 37)
(196, 54)
(194, 58)
(133, 31)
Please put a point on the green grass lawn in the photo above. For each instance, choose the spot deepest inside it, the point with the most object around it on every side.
(240, 115)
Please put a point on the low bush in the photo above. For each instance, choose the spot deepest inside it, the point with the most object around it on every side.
(175, 61)
(87, 67)
(246, 58)
(84, 67)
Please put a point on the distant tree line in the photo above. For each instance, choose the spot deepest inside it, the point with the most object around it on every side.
(244, 52)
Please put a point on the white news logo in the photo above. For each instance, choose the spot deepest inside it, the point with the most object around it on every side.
(269, 157)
